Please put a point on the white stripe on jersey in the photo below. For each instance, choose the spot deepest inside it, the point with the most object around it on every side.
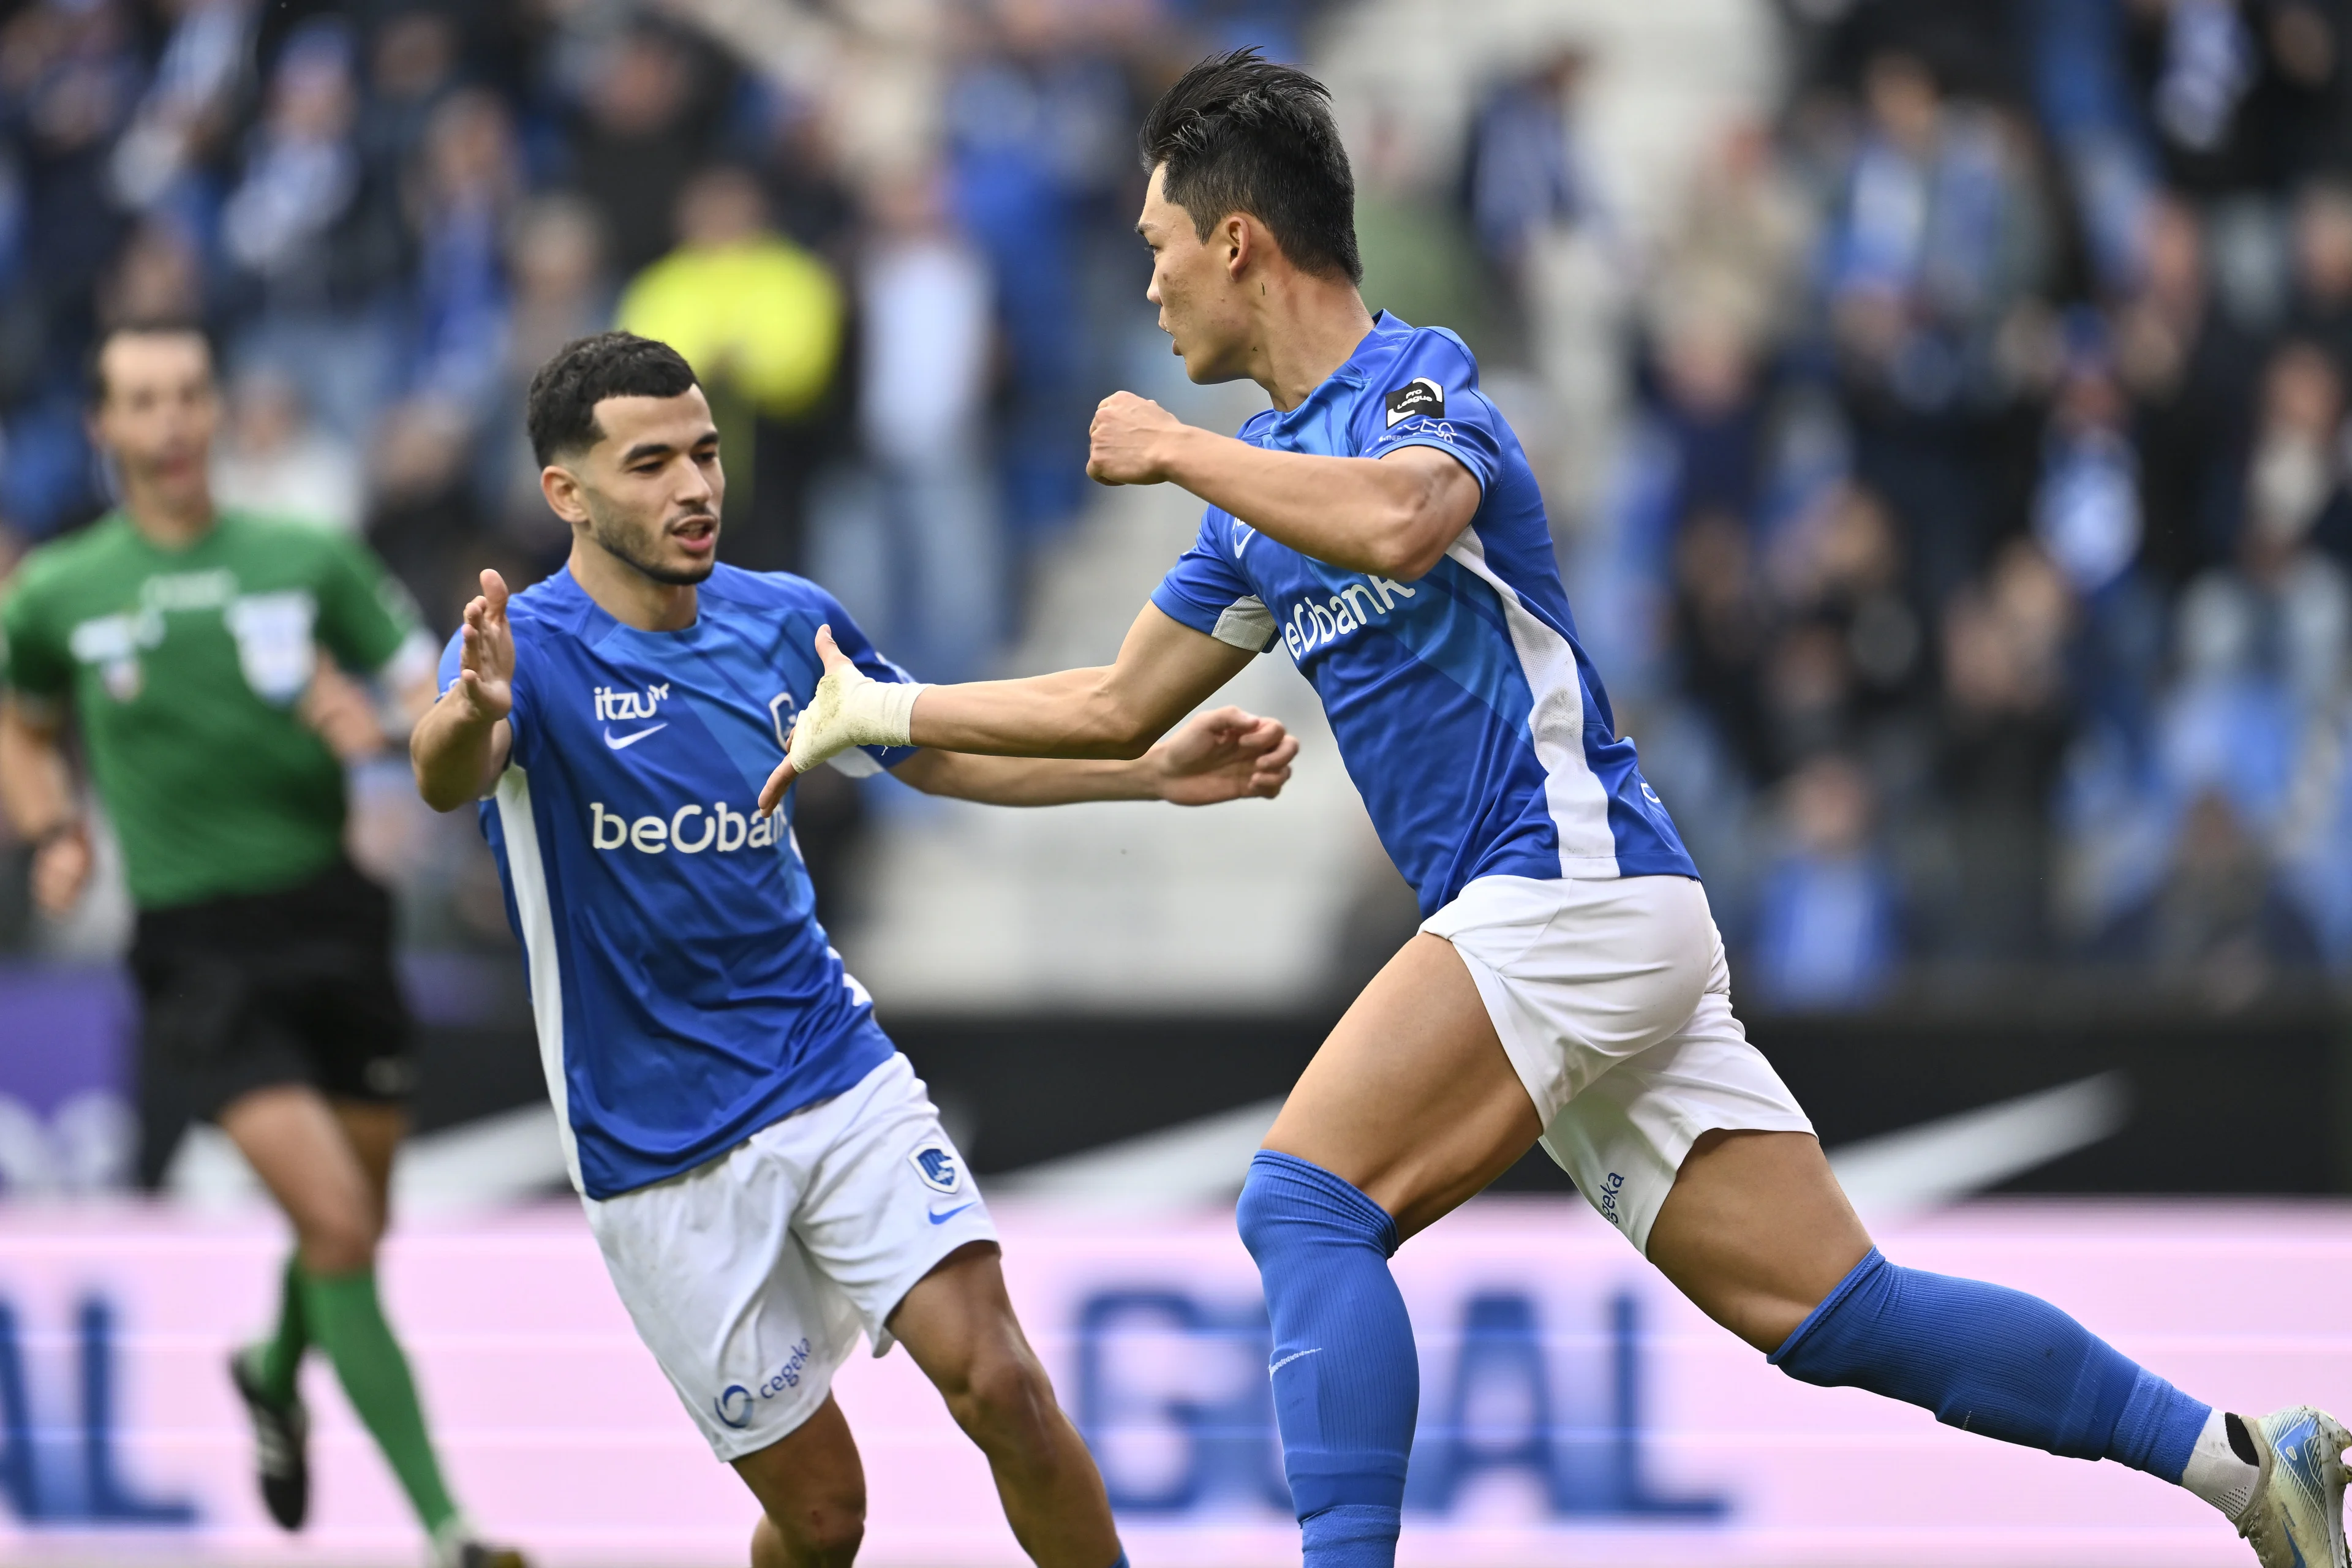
(528, 877)
(1573, 794)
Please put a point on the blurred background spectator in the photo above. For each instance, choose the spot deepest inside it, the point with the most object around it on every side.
(760, 319)
(1942, 403)
(1826, 928)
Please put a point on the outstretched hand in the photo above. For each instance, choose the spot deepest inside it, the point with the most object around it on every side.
(1223, 754)
(486, 658)
(806, 748)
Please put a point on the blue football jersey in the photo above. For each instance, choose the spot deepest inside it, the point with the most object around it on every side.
(684, 992)
(1471, 721)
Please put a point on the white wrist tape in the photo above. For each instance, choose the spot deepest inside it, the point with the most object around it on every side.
(849, 708)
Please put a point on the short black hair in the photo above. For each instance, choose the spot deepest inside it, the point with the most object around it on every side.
(1240, 134)
(93, 378)
(560, 411)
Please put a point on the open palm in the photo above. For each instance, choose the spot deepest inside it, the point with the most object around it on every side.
(486, 659)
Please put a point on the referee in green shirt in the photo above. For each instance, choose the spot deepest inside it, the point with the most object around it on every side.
(213, 662)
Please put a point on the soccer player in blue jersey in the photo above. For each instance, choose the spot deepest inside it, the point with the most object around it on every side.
(762, 1171)
(1379, 523)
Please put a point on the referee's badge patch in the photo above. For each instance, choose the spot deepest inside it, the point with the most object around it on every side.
(1418, 398)
(937, 1165)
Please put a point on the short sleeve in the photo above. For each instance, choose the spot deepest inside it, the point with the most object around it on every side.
(1205, 589)
(865, 761)
(366, 617)
(1431, 399)
(33, 663)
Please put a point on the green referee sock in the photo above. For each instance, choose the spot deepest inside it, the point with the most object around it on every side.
(347, 1322)
(277, 1359)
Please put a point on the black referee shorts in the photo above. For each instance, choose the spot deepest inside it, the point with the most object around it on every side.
(262, 989)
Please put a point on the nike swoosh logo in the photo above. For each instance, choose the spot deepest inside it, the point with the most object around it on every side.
(632, 739)
(939, 1218)
(1294, 1355)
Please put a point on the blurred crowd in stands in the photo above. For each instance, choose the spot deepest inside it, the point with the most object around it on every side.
(895, 238)
(874, 228)
(1974, 568)
(1958, 500)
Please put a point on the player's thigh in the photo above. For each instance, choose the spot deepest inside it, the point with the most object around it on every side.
(1412, 1100)
(737, 1316)
(296, 1144)
(889, 1200)
(811, 1485)
(1757, 1232)
(1696, 1151)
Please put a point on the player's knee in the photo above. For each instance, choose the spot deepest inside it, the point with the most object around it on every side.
(1259, 1214)
(339, 1241)
(824, 1534)
(1287, 1203)
(1003, 1400)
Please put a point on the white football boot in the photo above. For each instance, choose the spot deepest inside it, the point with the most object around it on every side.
(2295, 1518)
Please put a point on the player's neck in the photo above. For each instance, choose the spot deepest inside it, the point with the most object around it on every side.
(167, 522)
(627, 595)
(1307, 328)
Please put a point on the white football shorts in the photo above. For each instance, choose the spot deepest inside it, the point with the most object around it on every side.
(750, 1276)
(1614, 1003)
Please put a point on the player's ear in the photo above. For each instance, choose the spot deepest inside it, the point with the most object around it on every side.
(1238, 232)
(561, 486)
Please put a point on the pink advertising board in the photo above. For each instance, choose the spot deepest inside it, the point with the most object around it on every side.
(1573, 1409)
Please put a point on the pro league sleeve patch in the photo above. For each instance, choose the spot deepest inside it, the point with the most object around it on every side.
(1418, 397)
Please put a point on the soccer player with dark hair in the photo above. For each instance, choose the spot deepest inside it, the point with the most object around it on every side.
(214, 663)
(1568, 986)
(762, 1170)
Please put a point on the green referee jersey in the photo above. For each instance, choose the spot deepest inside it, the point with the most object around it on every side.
(184, 668)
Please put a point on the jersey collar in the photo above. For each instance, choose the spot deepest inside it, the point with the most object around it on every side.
(593, 623)
(1355, 372)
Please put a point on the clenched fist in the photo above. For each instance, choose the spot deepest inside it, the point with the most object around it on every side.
(1128, 443)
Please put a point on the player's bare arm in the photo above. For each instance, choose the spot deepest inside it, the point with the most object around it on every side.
(344, 711)
(1393, 516)
(1114, 711)
(460, 747)
(36, 790)
(1222, 755)
(358, 718)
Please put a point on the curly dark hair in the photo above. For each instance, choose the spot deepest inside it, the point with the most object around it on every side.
(561, 410)
(1240, 134)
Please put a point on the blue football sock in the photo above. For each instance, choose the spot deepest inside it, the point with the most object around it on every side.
(1992, 1360)
(1352, 1535)
(1346, 1382)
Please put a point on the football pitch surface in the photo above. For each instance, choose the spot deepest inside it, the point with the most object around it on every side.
(1574, 1410)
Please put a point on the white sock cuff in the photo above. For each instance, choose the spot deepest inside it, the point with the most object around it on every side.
(2216, 1473)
